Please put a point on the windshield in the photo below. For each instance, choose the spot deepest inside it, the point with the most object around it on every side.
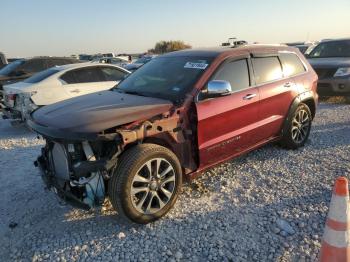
(168, 78)
(331, 49)
(41, 76)
(10, 67)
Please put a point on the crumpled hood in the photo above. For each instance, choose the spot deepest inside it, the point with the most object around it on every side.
(330, 62)
(96, 112)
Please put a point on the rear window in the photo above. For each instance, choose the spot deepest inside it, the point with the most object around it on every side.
(41, 76)
(267, 69)
(291, 64)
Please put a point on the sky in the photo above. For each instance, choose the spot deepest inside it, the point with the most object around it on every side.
(66, 27)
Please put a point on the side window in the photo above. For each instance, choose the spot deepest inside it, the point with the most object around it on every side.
(87, 75)
(34, 65)
(112, 74)
(291, 64)
(267, 69)
(69, 77)
(235, 72)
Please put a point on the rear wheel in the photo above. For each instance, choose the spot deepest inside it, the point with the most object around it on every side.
(297, 128)
(146, 183)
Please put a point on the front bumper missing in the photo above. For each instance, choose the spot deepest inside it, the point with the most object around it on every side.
(52, 184)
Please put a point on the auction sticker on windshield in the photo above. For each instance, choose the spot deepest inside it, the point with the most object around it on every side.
(196, 65)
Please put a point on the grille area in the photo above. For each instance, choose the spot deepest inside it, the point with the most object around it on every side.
(325, 72)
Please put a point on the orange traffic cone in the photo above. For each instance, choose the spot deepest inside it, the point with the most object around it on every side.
(336, 237)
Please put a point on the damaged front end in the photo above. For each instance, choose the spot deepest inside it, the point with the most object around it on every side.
(75, 172)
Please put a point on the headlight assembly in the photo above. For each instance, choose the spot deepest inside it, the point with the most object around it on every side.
(342, 71)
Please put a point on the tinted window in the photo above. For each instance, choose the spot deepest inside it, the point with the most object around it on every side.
(41, 76)
(87, 75)
(235, 72)
(266, 69)
(34, 65)
(112, 74)
(69, 77)
(331, 49)
(291, 64)
(84, 75)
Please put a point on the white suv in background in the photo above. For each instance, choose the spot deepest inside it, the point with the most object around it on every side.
(58, 83)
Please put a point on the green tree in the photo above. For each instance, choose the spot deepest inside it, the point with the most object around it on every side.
(162, 47)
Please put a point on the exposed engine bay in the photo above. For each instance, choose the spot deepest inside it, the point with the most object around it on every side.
(74, 172)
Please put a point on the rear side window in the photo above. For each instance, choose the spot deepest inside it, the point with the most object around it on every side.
(291, 64)
(87, 75)
(236, 73)
(267, 69)
(84, 75)
(112, 74)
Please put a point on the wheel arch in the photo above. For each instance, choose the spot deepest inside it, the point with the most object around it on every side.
(306, 98)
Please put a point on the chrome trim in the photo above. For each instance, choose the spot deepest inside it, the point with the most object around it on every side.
(219, 87)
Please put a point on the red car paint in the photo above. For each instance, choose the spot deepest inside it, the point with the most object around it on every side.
(230, 126)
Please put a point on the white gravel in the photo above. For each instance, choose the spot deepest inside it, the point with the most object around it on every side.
(269, 205)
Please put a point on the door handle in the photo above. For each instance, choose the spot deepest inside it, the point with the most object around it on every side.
(288, 84)
(75, 91)
(249, 96)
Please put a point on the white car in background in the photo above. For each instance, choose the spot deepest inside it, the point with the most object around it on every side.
(58, 83)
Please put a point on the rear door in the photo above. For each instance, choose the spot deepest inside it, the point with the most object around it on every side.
(226, 124)
(277, 91)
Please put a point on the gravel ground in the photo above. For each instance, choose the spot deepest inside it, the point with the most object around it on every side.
(269, 205)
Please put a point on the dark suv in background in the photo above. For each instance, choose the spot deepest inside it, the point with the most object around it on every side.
(331, 61)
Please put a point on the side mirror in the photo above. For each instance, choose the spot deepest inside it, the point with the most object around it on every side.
(218, 88)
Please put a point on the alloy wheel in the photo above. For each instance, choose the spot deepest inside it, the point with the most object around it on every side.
(153, 186)
(300, 126)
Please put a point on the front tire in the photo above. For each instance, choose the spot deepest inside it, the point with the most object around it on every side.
(297, 127)
(146, 183)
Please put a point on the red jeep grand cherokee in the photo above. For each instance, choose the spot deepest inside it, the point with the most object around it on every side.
(177, 115)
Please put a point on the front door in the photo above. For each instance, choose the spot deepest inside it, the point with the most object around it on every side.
(226, 125)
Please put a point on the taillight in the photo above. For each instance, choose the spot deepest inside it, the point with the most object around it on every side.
(11, 98)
